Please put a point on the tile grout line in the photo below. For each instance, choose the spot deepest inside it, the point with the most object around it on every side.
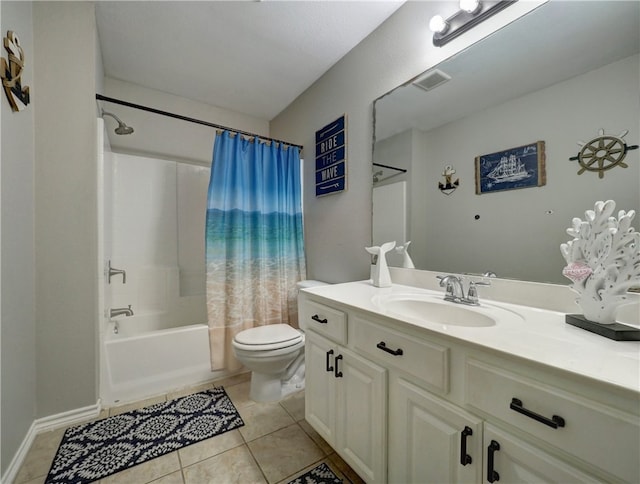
(257, 463)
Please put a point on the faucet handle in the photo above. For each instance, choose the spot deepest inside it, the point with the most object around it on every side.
(472, 292)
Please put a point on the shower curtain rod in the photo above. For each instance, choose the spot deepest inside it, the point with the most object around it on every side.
(100, 97)
(390, 167)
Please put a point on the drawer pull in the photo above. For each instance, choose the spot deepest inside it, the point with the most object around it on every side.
(315, 317)
(329, 367)
(492, 475)
(338, 374)
(382, 345)
(554, 422)
(464, 457)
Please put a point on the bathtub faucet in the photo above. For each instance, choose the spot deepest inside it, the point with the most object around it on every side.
(120, 311)
(112, 271)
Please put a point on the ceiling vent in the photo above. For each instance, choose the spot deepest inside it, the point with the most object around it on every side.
(431, 80)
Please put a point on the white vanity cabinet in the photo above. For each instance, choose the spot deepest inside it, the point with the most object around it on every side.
(510, 459)
(438, 409)
(345, 394)
(431, 440)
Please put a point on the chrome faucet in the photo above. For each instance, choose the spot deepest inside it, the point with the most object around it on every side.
(114, 272)
(454, 290)
(120, 311)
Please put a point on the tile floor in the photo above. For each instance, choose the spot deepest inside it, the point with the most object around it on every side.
(275, 445)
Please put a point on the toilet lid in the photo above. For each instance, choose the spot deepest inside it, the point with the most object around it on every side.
(269, 335)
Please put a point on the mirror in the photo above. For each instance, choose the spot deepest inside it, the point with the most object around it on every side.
(562, 74)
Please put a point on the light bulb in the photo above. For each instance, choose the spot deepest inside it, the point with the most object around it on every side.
(438, 25)
(470, 6)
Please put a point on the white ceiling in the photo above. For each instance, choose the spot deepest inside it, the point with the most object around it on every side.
(250, 57)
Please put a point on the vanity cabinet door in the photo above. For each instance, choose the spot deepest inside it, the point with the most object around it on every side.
(508, 459)
(431, 440)
(320, 385)
(345, 402)
(361, 415)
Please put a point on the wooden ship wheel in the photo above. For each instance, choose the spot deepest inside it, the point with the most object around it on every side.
(603, 153)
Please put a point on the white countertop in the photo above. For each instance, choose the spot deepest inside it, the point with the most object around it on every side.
(543, 336)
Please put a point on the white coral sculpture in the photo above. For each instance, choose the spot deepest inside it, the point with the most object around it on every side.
(603, 260)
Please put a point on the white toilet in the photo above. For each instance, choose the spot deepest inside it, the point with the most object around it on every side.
(275, 356)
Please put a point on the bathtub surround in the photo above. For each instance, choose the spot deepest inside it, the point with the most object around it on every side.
(98, 449)
(254, 240)
(153, 228)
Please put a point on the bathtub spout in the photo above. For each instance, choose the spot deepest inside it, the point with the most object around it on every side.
(120, 311)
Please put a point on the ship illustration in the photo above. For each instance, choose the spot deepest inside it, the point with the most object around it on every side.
(508, 170)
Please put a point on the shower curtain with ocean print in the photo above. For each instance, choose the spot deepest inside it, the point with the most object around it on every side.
(254, 240)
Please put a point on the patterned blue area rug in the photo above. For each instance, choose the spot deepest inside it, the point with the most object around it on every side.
(94, 450)
(320, 474)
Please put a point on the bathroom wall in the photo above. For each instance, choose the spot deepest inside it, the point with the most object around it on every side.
(337, 227)
(158, 210)
(65, 60)
(163, 137)
(18, 295)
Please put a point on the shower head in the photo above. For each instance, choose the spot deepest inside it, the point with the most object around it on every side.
(122, 128)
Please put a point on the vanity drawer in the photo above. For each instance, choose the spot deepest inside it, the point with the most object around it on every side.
(427, 361)
(604, 437)
(324, 320)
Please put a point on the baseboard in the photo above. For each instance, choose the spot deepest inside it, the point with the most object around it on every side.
(45, 424)
(15, 464)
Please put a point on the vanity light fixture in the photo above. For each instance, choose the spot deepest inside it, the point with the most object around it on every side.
(471, 13)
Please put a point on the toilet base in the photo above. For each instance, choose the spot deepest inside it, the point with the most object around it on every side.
(266, 388)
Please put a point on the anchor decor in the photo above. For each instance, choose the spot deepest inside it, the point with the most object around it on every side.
(602, 153)
(449, 186)
(603, 263)
(11, 72)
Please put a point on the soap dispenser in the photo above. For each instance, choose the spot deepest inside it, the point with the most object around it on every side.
(379, 269)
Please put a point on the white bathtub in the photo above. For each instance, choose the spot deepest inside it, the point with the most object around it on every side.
(144, 359)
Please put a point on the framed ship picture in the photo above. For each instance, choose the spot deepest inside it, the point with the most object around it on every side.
(520, 167)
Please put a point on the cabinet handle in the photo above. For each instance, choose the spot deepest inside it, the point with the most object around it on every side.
(337, 373)
(315, 317)
(329, 367)
(492, 475)
(382, 345)
(464, 457)
(554, 422)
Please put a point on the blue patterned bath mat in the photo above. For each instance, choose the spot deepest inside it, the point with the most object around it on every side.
(320, 474)
(94, 450)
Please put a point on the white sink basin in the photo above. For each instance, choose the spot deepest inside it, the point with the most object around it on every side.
(433, 309)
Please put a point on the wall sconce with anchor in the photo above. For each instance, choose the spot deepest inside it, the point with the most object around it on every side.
(471, 13)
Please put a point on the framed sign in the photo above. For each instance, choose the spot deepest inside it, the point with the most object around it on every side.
(331, 157)
(520, 167)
